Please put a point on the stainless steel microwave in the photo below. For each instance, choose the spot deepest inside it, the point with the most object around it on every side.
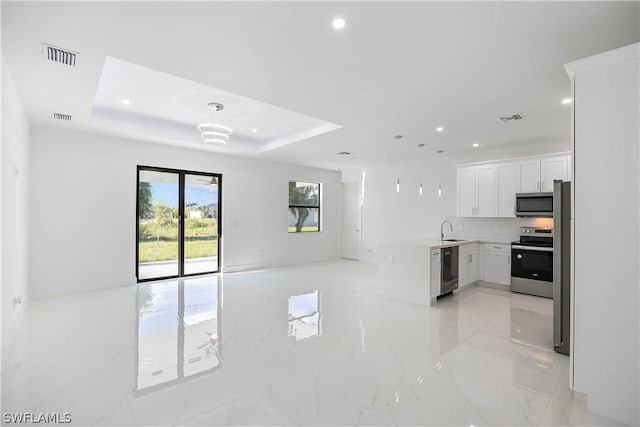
(534, 204)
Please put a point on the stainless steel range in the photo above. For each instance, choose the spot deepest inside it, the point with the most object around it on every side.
(532, 262)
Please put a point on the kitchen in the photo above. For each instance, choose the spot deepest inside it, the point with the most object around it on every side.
(517, 189)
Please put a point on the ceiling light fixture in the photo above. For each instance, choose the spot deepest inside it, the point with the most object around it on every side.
(213, 133)
(567, 101)
(338, 23)
(126, 102)
(254, 130)
(475, 144)
(439, 129)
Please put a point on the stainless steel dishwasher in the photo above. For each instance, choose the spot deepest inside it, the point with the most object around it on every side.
(449, 271)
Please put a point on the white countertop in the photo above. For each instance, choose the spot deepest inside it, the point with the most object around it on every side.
(435, 242)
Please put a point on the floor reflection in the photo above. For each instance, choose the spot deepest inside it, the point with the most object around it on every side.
(304, 316)
(178, 330)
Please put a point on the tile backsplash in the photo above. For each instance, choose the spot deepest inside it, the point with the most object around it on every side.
(497, 228)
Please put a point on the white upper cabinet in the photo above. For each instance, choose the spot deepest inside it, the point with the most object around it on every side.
(486, 191)
(466, 191)
(552, 168)
(529, 176)
(477, 191)
(506, 180)
(489, 189)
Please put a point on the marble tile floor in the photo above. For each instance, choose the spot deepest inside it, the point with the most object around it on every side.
(307, 345)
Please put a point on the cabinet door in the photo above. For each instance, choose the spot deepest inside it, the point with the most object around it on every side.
(497, 268)
(553, 168)
(529, 176)
(506, 182)
(486, 191)
(466, 191)
(472, 267)
(435, 273)
(463, 271)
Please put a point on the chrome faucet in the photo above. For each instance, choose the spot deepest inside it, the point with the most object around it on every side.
(446, 221)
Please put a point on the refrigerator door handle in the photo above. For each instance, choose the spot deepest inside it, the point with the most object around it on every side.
(557, 266)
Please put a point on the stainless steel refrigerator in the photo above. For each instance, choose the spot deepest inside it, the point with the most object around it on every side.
(561, 265)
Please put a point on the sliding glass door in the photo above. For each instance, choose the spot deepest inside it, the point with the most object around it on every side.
(178, 223)
(201, 223)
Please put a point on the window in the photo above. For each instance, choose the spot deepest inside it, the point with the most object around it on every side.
(304, 206)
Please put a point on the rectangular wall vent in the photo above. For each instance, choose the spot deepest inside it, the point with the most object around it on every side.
(58, 116)
(511, 118)
(59, 55)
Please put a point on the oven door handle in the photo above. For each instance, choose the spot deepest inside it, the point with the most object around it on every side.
(532, 248)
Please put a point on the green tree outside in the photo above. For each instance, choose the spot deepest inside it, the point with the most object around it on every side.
(302, 196)
(145, 210)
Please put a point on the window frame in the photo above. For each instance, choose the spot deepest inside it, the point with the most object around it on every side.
(319, 184)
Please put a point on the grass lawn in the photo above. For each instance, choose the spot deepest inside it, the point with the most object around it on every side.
(201, 240)
(152, 251)
(306, 228)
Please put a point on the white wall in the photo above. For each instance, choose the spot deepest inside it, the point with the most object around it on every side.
(606, 196)
(83, 197)
(15, 208)
(388, 215)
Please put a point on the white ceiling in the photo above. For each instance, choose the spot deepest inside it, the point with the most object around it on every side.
(397, 68)
(168, 109)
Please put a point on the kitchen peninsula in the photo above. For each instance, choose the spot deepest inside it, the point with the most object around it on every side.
(411, 270)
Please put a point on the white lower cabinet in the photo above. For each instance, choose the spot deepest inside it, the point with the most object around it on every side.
(468, 265)
(497, 263)
(435, 273)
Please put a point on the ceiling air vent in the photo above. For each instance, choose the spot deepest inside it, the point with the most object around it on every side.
(511, 118)
(58, 116)
(344, 153)
(59, 55)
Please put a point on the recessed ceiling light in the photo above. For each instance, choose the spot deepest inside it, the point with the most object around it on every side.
(338, 23)
(439, 129)
(126, 102)
(254, 130)
(475, 144)
(567, 101)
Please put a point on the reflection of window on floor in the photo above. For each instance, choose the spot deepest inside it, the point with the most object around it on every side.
(304, 316)
(178, 330)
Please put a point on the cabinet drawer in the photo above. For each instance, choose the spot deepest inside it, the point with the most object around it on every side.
(497, 247)
(468, 248)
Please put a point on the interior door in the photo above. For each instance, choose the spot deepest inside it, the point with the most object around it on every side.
(351, 220)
